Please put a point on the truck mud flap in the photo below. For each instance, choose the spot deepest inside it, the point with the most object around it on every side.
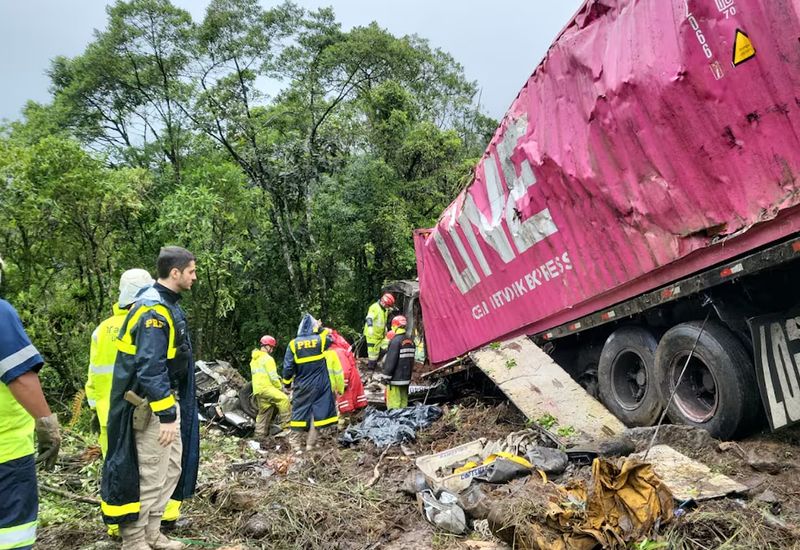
(776, 346)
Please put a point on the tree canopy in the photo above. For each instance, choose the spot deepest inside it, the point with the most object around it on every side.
(293, 157)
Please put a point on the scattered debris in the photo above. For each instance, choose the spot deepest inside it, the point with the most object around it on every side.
(391, 427)
(443, 512)
(625, 504)
(365, 496)
(550, 461)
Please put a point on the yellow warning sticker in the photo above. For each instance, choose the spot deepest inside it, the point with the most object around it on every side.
(743, 48)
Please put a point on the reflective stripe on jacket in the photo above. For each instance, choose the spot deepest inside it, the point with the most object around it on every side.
(353, 397)
(399, 361)
(20, 504)
(155, 361)
(17, 357)
(335, 372)
(305, 367)
(102, 354)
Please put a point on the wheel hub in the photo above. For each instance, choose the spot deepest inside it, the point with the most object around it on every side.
(696, 395)
(629, 380)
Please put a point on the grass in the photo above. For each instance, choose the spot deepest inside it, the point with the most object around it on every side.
(547, 421)
(566, 431)
(725, 525)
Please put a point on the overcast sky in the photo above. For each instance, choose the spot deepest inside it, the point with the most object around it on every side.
(499, 42)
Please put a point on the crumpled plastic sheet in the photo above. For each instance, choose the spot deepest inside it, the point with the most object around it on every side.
(393, 427)
(443, 512)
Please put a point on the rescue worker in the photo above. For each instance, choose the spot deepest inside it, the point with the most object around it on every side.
(398, 365)
(102, 354)
(23, 410)
(305, 370)
(267, 388)
(385, 346)
(375, 328)
(153, 431)
(103, 349)
(353, 397)
(335, 366)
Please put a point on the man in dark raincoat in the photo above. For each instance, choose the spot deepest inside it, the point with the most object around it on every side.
(153, 447)
(306, 371)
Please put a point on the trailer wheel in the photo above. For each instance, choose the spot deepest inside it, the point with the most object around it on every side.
(718, 391)
(626, 376)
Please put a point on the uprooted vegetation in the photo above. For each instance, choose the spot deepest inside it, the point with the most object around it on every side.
(351, 498)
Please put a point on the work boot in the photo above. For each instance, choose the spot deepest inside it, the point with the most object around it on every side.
(133, 538)
(311, 438)
(295, 441)
(165, 543)
(136, 545)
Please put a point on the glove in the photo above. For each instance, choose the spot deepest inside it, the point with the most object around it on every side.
(49, 437)
(94, 427)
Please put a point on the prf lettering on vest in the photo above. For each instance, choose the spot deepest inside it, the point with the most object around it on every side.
(307, 344)
(503, 207)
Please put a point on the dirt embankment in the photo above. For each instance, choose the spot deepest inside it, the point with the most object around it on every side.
(351, 498)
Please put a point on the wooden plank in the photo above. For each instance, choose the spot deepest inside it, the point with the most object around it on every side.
(538, 386)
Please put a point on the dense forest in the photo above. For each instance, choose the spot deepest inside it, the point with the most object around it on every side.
(293, 157)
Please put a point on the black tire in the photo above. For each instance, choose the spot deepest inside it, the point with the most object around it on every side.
(627, 379)
(246, 400)
(718, 391)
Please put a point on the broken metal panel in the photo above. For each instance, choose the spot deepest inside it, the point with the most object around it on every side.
(635, 151)
(538, 386)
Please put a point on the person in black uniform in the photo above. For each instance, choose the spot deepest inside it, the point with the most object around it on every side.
(153, 428)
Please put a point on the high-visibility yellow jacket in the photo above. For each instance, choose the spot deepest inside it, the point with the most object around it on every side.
(264, 372)
(17, 357)
(102, 354)
(335, 371)
(375, 324)
(18, 511)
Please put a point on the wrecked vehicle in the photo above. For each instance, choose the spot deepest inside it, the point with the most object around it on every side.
(673, 199)
(224, 397)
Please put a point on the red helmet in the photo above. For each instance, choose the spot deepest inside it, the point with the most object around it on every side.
(268, 340)
(399, 321)
(387, 300)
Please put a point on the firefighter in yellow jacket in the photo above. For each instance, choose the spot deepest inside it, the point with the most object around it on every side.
(375, 328)
(103, 350)
(267, 388)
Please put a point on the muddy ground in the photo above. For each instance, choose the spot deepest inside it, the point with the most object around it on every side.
(331, 498)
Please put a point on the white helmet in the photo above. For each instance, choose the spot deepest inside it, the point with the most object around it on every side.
(131, 282)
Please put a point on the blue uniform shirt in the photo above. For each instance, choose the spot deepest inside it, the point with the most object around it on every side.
(17, 354)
